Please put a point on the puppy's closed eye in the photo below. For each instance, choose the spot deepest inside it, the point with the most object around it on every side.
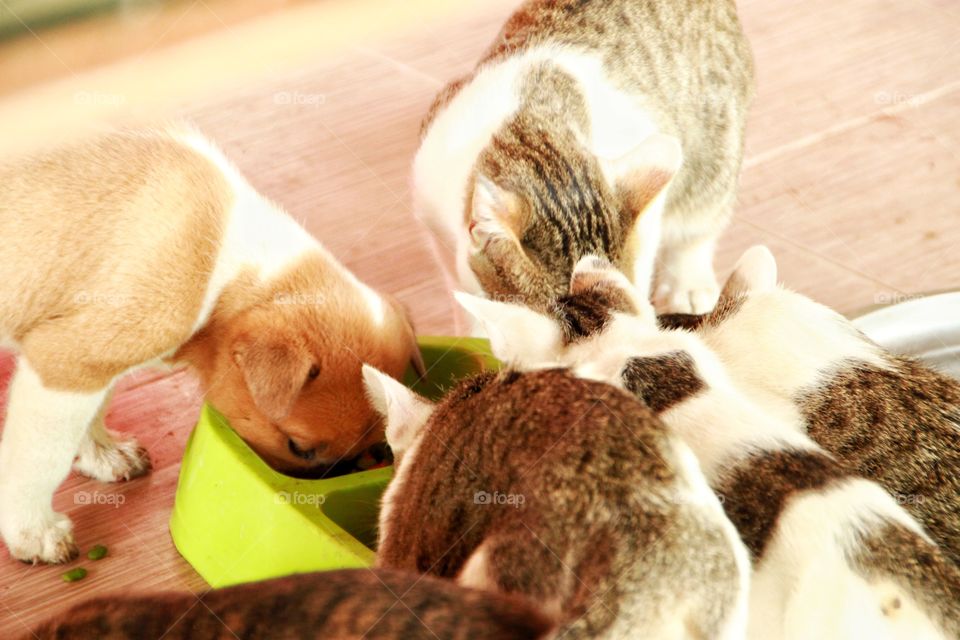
(299, 451)
(312, 374)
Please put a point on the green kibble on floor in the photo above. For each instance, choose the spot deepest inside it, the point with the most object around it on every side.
(97, 553)
(75, 574)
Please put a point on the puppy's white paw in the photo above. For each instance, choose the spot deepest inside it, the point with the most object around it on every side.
(49, 541)
(682, 295)
(121, 459)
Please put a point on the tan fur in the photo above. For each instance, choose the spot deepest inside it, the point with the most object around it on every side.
(332, 413)
(108, 247)
(119, 232)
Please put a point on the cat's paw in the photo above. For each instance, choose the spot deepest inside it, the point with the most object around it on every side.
(687, 296)
(49, 541)
(121, 459)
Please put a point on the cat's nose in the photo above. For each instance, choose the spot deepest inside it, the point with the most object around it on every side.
(306, 454)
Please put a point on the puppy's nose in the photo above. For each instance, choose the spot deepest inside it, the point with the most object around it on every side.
(304, 454)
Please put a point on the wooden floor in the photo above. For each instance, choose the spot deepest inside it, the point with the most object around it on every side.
(852, 177)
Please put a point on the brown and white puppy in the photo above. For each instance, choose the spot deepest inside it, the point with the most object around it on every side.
(141, 247)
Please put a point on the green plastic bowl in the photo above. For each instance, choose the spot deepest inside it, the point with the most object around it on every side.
(237, 520)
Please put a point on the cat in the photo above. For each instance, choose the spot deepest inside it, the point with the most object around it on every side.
(568, 137)
(567, 491)
(334, 605)
(835, 556)
(891, 418)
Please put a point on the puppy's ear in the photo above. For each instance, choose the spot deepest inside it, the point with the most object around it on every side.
(410, 335)
(274, 370)
(416, 360)
(416, 357)
(644, 173)
(517, 334)
(404, 412)
(756, 272)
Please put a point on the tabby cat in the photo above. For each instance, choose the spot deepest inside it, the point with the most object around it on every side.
(567, 139)
(567, 491)
(835, 555)
(890, 418)
(336, 605)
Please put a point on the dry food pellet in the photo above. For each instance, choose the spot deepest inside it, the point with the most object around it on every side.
(75, 574)
(98, 552)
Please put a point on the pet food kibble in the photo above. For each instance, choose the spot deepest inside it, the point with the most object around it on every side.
(75, 574)
(97, 553)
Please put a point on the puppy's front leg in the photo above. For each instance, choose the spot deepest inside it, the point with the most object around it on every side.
(40, 438)
(107, 456)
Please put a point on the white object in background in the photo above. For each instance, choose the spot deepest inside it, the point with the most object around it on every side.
(927, 328)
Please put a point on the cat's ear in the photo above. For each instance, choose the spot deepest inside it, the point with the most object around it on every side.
(756, 272)
(518, 334)
(494, 211)
(644, 173)
(596, 273)
(404, 412)
(592, 270)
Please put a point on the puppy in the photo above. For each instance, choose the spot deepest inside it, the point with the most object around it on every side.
(141, 247)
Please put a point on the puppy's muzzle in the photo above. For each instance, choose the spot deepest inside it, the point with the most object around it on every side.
(303, 454)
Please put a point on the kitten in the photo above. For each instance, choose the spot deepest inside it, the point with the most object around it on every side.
(567, 139)
(823, 540)
(335, 605)
(567, 491)
(821, 537)
(891, 418)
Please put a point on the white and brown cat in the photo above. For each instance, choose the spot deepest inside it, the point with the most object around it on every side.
(567, 140)
(893, 419)
(139, 247)
(835, 556)
(568, 492)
